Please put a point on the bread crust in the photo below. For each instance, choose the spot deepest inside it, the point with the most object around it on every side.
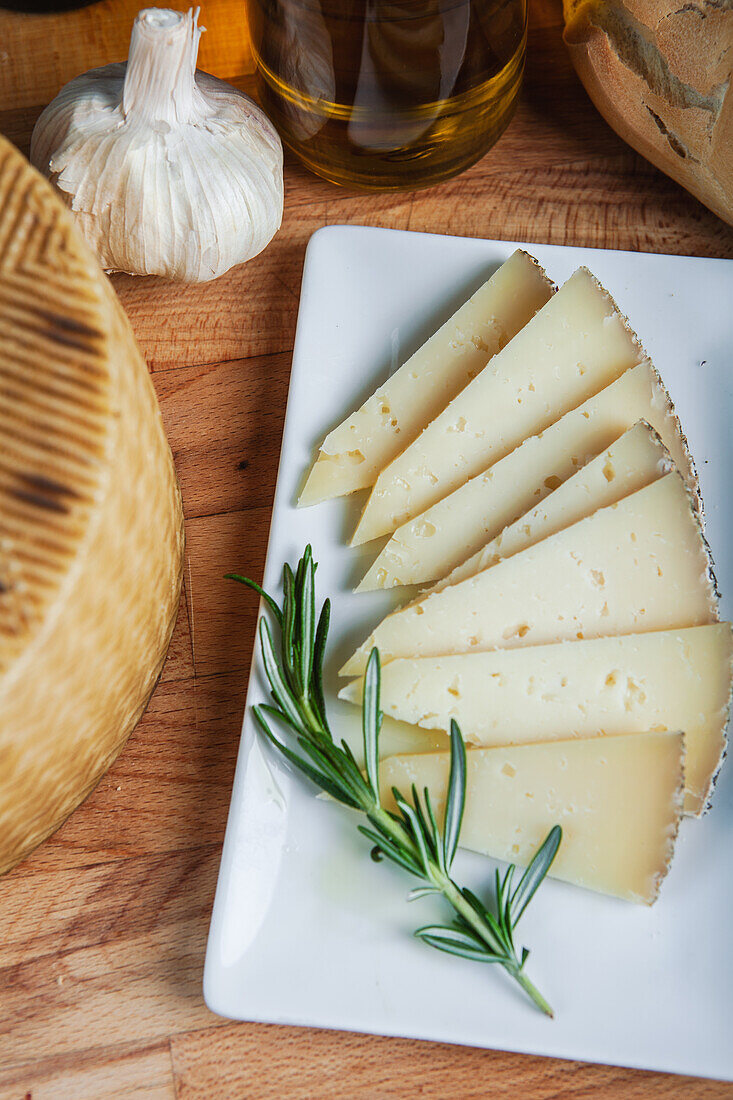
(660, 74)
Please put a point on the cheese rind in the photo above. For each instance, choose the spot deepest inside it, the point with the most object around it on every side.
(617, 799)
(577, 344)
(441, 538)
(666, 680)
(636, 459)
(638, 565)
(352, 455)
(91, 524)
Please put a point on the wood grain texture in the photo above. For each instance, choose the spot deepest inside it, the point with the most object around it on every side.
(225, 422)
(137, 1073)
(332, 1065)
(31, 73)
(102, 931)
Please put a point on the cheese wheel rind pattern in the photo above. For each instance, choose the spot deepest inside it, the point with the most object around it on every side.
(91, 527)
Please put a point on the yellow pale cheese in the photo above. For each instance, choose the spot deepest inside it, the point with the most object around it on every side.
(617, 799)
(638, 565)
(663, 680)
(352, 455)
(636, 459)
(577, 344)
(91, 530)
(441, 538)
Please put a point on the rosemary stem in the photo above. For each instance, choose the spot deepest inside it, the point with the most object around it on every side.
(531, 989)
(459, 903)
(312, 721)
(410, 836)
(455, 898)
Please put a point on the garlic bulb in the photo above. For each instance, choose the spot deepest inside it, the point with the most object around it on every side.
(168, 170)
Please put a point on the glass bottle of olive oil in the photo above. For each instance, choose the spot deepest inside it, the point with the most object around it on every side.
(388, 94)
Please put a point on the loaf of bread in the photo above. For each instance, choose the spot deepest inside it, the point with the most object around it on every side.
(660, 74)
(91, 530)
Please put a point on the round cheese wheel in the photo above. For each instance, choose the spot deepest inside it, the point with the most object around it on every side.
(91, 526)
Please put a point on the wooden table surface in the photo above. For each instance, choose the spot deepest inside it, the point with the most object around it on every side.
(103, 929)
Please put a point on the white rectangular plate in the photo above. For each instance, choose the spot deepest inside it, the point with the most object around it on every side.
(306, 929)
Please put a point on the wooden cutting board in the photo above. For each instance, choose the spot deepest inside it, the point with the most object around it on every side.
(102, 930)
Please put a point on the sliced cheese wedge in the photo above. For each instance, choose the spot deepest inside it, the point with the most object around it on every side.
(577, 344)
(664, 680)
(617, 799)
(429, 546)
(352, 455)
(639, 565)
(636, 459)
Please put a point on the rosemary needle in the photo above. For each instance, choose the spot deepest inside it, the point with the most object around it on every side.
(411, 837)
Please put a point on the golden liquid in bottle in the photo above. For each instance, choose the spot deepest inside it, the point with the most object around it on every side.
(389, 94)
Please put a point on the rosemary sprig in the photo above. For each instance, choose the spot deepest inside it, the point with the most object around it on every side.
(411, 837)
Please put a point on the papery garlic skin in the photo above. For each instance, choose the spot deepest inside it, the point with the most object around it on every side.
(168, 170)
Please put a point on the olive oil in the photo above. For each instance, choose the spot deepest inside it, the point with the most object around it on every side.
(389, 94)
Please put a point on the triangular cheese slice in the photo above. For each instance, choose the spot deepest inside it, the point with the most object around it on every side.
(636, 459)
(577, 344)
(618, 801)
(639, 565)
(352, 455)
(676, 679)
(429, 546)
